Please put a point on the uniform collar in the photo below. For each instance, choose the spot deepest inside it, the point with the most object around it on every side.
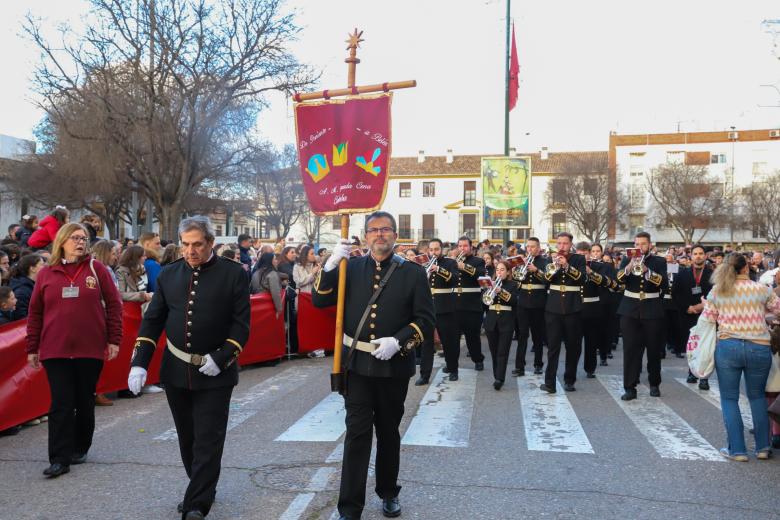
(383, 263)
(211, 261)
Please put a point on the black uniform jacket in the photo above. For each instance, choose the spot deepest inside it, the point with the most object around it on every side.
(467, 279)
(686, 291)
(566, 302)
(404, 310)
(502, 320)
(532, 289)
(442, 284)
(651, 283)
(597, 286)
(668, 301)
(203, 311)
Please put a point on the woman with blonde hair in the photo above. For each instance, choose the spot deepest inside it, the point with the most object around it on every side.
(738, 306)
(74, 323)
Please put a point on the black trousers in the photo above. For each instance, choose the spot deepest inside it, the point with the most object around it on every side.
(470, 324)
(613, 323)
(201, 418)
(72, 384)
(292, 325)
(640, 335)
(595, 335)
(372, 402)
(563, 328)
(447, 327)
(673, 330)
(499, 342)
(529, 320)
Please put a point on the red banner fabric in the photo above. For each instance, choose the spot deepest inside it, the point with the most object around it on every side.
(316, 326)
(344, 152)
(24, 392)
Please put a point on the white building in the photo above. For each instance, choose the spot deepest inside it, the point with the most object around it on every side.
(750, 154)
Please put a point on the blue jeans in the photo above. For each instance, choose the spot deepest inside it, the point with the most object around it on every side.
(732, 358)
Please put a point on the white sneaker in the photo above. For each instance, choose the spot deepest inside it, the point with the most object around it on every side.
(34, 422)
(151, 389)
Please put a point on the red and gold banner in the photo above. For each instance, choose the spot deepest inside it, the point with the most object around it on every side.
(344, 152)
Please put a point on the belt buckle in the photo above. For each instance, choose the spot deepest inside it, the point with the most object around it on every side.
(196, 359)
(642, 295)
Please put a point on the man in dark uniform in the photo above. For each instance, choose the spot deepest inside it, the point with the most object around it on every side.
(563, 313)
(673, 331)
(383, 360)
(202, 304)
(443, 279)
(610, 298)
(529, 312)
(691, 285)
(469, 300)
(642, 316)
(593, 310)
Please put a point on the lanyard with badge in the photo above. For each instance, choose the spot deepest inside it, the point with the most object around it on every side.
(697, 280)
(72, 291)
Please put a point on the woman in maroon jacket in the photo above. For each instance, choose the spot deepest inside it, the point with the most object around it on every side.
(74, 322)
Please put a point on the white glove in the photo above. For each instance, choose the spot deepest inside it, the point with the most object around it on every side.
(388, 347)
(341, 250)
(136, 379)
(210, 368)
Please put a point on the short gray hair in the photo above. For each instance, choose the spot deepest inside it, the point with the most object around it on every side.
(200, 223)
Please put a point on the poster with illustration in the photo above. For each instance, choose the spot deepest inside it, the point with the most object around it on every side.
(506, 192)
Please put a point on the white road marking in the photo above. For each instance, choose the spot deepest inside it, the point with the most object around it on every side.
(444, 415)
(549, 419)
(262, 394)
(667, 432)
(713, 396)
(323, 423)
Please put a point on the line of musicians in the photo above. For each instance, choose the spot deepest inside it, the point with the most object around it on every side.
(559, 299)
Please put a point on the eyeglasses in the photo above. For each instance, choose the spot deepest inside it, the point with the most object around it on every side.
(383, 230)
(78, 239)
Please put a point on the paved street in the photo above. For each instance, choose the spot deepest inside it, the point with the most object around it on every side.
(468, 452)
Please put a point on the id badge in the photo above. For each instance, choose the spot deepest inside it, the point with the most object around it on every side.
(70, 292)
(696, 290)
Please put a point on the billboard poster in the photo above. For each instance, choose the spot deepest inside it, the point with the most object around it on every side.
(506, 192)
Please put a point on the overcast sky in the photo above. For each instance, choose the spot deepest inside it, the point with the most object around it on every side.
(586, 68)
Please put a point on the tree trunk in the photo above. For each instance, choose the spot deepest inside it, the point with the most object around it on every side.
(170, 216)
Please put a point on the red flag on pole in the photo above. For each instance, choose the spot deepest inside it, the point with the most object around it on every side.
(514, 72)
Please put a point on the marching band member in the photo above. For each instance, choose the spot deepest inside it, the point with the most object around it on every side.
(468, 300)
(610, 299)
(673, 331)
(529, 314)
(500, 320)
(441, 275)
(563, 313)
(642, 316)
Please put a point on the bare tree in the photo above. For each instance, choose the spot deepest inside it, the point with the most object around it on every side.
(174, 85)
(688, 199)
(762, 208)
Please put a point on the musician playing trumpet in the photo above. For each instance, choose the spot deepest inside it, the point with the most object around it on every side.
(531, 300)
(499, 324)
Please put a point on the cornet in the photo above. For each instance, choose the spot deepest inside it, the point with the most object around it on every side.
(637, 269)
(552, 268)
(490, 294)
(433, 261)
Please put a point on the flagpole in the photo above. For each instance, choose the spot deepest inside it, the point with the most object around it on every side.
(506, 99)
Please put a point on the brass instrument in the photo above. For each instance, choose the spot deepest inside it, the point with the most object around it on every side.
(432, 262)
(489, 295)
(552, 268)
(637, 269)
(523, 271)
(461, 257)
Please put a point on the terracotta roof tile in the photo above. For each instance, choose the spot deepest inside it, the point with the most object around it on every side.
(471, 164)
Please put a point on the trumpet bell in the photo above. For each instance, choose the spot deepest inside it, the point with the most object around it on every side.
(487, 298)
(551, 268)
(637, 270)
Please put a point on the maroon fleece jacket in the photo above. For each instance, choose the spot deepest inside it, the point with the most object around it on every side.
(80, 327)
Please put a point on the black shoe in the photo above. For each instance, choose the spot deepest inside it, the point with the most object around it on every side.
(704, 384)
(776, 441)
(421, 381)
(679, 355)
(569, 387)
(441, 354)
(610, 356)
(479, 366)
(445, 370)
(55, 470)
(549, 389)
(78, 458)
(180, 507)
(537, 370)
(692, 379)
(591, 375)
(194, 515)
(391, 507)
(454, 376)
(498, 384)
(518, 372)
(655, 391)
(127, 394)
(629, 395)
(604, 363)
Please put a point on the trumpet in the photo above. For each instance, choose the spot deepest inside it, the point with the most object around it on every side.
(637, 269)
(490, 294)
(523, 271)
(433, 261)
(461, 257)
(552, 268)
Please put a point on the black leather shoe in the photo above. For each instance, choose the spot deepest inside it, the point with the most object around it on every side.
(180, 507)
(537, 370)
(519, 372)
(421, 381)
(78, 458)
(655, 391)
(692, 379)
(704, 384)
(56, 469)
(391, 507)
(194, 515)
(445, 370)
(498, 384)
(454, 376)
(549, 389)
(604, 363)
(569, 387)
(591, 375)
(479, 366)
(629, 395)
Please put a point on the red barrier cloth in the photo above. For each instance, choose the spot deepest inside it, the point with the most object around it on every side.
(316, 326)
(24, 392)
(266, 332)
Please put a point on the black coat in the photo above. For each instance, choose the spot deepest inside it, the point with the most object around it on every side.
(502, 320)
(652, 284)
(445, 279)
(532, 290)
(22, 287)
(404, 311)
(468, 279)
(593, 297)
(686, 292)
(202, 311)
(566, 302)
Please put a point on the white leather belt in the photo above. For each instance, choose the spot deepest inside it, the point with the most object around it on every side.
(361, 345)
(591, 299)
(193, 359)
(499, 307)
(467, 289)
(641, 295)
(532, 286)
(565, 288)
(441, 291)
